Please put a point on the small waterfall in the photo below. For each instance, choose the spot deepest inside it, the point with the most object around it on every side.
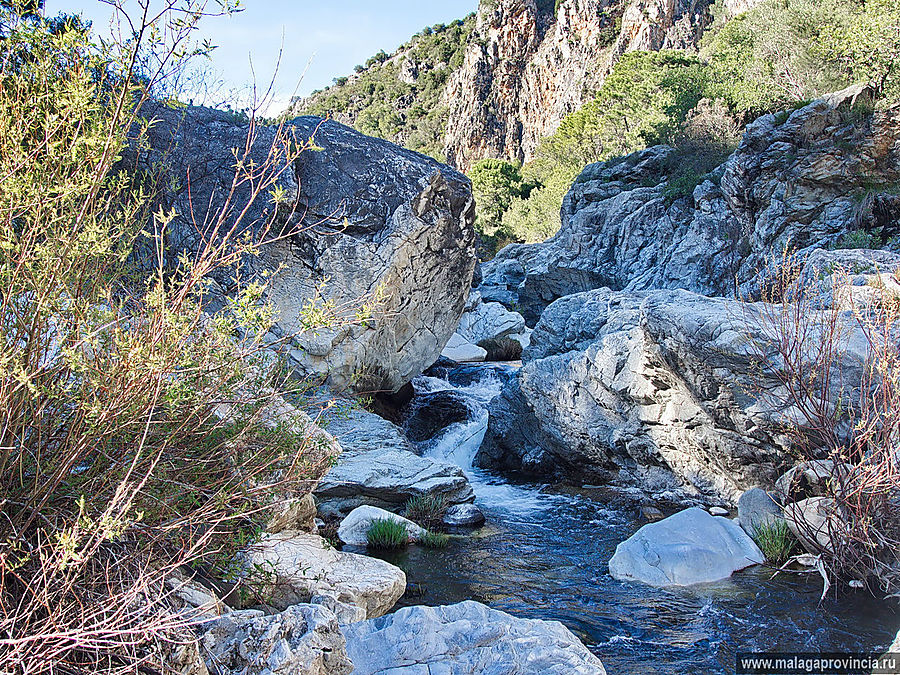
(459, 442)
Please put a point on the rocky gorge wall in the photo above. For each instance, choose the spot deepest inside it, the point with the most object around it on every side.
(644, 364)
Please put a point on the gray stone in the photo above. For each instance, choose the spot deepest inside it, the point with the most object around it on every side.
(500, 332)
(301, 639)
(378, 467)
(463, 639)
(815, 522)
(718, 511)
(355, 527)
(757, 509)
(792, 183)
(810, 479)
(460, 515)
(300, 566)
(370, 223)
(462, 351)
(687, 548)
(659, 390)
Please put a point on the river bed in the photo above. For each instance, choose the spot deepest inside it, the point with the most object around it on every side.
(544, 550)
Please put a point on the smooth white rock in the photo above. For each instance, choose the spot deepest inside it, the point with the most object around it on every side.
(355, 527)
(687, 548)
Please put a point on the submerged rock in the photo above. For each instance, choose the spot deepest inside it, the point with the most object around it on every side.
(301, 639)
(298, 567)
(463, 639)
(690, 547)
(355, 527)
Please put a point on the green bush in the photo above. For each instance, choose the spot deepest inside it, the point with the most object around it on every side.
(385, 533)
(775, 540)
(427, 510)
(435, 540)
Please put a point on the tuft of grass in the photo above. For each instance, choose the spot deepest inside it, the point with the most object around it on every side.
(775, 540)
(385, 533)
(435, 540)
(427, 510)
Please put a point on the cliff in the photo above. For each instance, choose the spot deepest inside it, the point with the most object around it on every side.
(508, 75)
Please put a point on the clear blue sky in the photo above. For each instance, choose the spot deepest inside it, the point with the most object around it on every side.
(334, 35)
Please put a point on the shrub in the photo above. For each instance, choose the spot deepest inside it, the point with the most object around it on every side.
(805, 351)
(385, 533)
(775, 540)
(435, 540)
(427, 510)
(137, 434)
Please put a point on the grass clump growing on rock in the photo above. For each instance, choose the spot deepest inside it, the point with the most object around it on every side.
(427, 510)
(775, 540)
(385, 533)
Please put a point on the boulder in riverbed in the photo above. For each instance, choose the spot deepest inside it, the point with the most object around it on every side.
(463, 515)
(690, 547)
(757, 509)
(378, 467)
(301, 639)
(466, 638)
(462, 351)
(355, 527)
(297, 566)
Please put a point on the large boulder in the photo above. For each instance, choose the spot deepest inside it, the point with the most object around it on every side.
(661, 390)
(369, 223)
(466, 638)
(802, 181)
(690, 547)
(378, 467)
(301, 639)
(298, 567)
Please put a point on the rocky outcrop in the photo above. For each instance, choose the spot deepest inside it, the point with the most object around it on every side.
(500, 332)
(466, 638)
(661, 390)
(378, 467)
(362, 223)
(298, 567)
(802, 181)
(690, 547)
(301, 639)
(533, 62)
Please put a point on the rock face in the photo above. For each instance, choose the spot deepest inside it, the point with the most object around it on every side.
(465, 638)
(533, 62)
(301, 639)
(687, 548)
(650, 389)
(370, 224)
(378, 467)
(355, 527)
(302, 566)
(804, 182)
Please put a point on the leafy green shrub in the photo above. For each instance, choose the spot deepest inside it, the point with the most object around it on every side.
(139, 434)
(435, 540)
(427, 510)
(385, 533)
(859, 239)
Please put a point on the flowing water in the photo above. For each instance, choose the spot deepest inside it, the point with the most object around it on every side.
(544, 550)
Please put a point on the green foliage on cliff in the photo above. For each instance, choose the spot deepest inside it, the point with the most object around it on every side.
(397, 97)
(644, 101)
(773, 57)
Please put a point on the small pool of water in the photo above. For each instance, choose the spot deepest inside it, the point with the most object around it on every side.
(544, 550)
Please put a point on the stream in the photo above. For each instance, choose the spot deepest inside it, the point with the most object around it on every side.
(543, 553)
